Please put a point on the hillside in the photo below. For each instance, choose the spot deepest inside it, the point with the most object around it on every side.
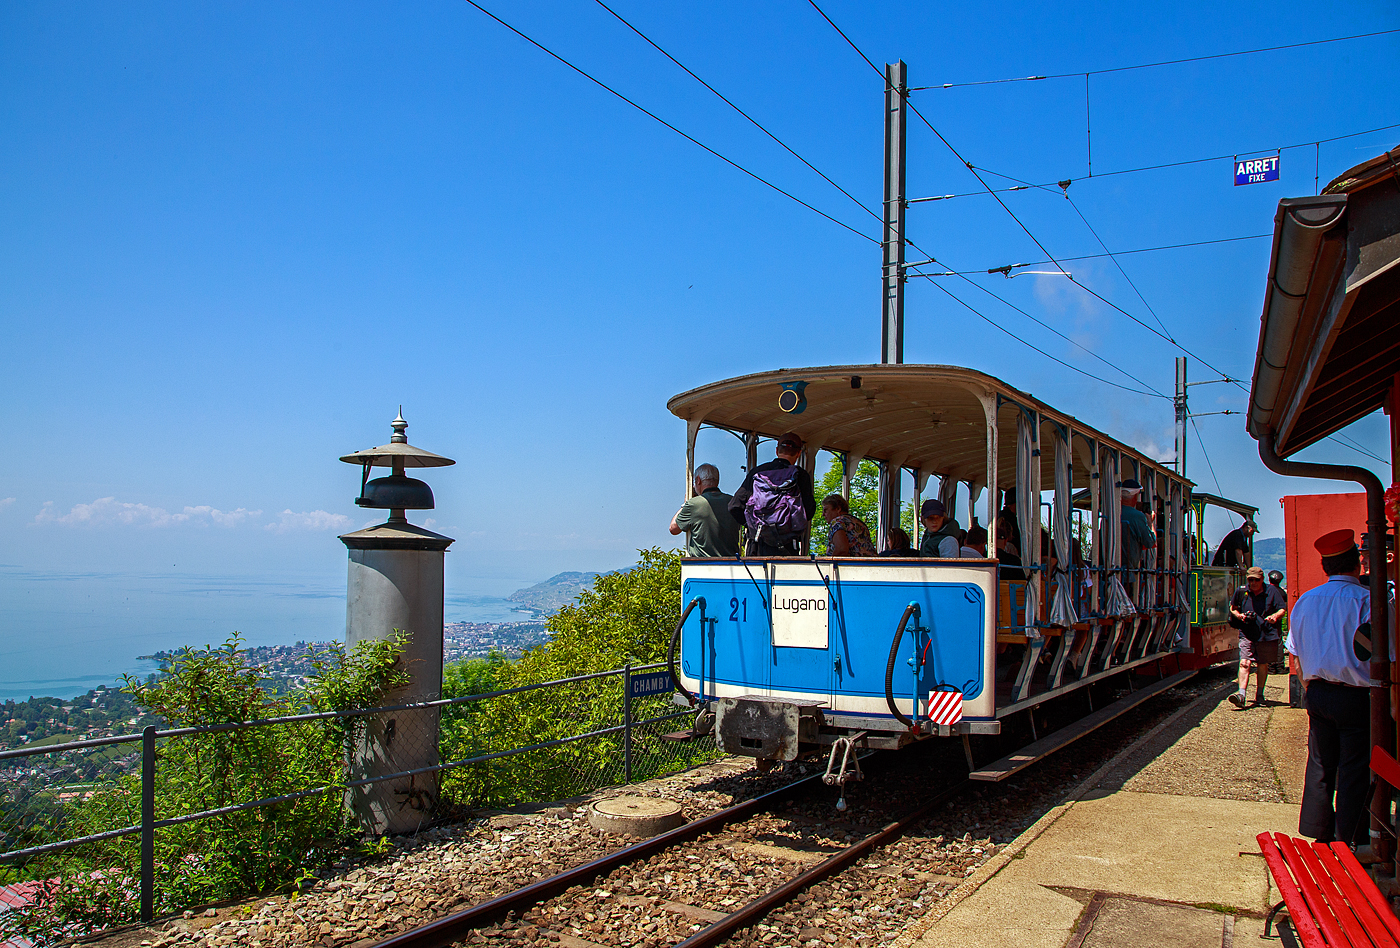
(559, 590)
(1269, 554)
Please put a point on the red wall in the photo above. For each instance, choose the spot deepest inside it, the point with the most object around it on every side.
(1307, 517)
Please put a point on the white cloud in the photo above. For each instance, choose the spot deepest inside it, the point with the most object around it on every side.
(5, 502)
(311, 520)
(229, 518)
(108, 512)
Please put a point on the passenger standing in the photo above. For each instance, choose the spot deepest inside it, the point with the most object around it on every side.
(1257, 609)
(1138, 535)
(1336, 687)
(1234, 550)
(705, 518)
(776, 503)
(940, 531)
(849, 535)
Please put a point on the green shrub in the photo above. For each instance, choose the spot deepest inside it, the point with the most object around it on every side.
(229, 854)
(626, 618)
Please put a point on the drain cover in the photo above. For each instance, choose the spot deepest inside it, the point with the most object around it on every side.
(635, 816)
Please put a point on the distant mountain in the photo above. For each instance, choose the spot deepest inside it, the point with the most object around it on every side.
(1270, 554)
(559, 590)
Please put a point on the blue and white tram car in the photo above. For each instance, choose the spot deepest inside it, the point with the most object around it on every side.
(789, 655)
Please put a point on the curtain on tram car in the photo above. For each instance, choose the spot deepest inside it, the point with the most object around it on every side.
(1180, 574)
(1028, 514)
(948, 496)
(1145, 583)
(1062, 611)
(1116, 602)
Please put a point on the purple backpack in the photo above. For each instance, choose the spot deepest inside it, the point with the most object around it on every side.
(774, 511)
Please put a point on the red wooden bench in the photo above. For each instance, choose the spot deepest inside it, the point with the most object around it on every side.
(1331, 900)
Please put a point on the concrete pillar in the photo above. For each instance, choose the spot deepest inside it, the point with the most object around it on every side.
(396, 584)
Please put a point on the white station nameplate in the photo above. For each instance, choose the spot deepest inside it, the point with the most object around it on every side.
(800, 617)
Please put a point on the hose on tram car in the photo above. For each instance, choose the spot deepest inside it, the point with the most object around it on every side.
(675, 644)
(910, 610)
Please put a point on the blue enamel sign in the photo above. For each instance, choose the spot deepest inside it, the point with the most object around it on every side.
(654, 683)
(1256, 170)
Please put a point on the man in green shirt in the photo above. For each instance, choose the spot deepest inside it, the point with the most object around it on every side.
(705, 518)
(1138, 535)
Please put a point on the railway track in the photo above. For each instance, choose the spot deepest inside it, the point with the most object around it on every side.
(524, 908)
(639, 894)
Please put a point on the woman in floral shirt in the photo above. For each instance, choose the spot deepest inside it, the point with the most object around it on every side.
(849, 536)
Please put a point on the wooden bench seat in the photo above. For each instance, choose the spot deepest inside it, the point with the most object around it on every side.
(1331, 900)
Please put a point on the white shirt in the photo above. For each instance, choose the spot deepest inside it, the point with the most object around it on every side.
(968, 553)
(1321, 627)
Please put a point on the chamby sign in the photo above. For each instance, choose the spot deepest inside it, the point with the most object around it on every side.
(1256, 170)
(801, 617)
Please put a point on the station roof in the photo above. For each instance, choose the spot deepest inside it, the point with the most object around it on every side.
(928, 417)
(1329, 337)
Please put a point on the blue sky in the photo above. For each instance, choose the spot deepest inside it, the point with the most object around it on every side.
(236, 237)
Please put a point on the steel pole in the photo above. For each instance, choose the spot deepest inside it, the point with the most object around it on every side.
(627, 719)
(148, 823)
(1181, 415)
(892, 283)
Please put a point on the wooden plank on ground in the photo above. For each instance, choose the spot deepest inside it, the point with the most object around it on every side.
(1023, 758)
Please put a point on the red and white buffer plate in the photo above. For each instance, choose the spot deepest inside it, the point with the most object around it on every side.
(945, 707)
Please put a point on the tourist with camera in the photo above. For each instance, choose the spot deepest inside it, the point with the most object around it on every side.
(1256, 610)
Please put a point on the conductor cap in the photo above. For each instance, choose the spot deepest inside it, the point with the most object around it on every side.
(1335, 543)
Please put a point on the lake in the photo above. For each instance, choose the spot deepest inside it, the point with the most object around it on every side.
(62, 634)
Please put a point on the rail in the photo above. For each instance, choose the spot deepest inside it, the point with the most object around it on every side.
(12, 761)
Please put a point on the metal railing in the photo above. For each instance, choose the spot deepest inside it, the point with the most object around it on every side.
(12, 762)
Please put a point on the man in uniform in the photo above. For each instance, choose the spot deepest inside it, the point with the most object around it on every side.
(1336, 686)
(705, 519)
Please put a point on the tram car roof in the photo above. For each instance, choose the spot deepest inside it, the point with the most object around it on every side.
(932, 418)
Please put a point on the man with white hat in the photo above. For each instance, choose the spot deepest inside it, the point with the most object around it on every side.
(1336, 681)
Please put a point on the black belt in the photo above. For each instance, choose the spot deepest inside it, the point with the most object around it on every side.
(1337, 684)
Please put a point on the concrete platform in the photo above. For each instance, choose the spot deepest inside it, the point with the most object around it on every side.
(1156, 848)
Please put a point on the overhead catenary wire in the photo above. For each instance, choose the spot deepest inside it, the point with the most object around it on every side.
(1094, 256)
(1023, 185)
(1000, 328)
(1040, 322)
(1051, 258)
(982, 181)
(725, 99)
(1165, 62)
(782, 144)
(1115, 261)
(883, 79)
(603, 85)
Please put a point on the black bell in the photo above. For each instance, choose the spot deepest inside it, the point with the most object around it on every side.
(396, 492)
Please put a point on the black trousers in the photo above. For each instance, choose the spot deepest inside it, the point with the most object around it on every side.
(760, 548)
(1339, 752)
